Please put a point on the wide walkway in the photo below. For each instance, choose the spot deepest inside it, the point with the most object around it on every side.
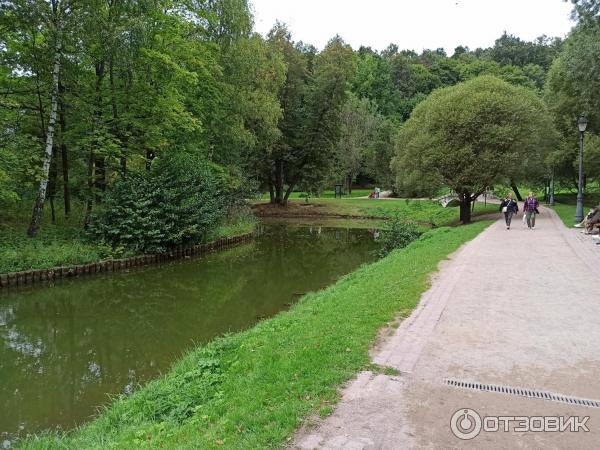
(511, 309)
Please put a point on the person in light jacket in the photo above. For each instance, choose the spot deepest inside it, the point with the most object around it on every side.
(509, 207)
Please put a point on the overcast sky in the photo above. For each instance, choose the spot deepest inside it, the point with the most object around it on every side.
(414, 24)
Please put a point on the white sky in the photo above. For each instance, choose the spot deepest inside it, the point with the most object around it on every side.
(414, 24)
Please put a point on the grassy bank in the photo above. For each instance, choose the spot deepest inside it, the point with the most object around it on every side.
(422, 211)
(65, 243)
(253, 389)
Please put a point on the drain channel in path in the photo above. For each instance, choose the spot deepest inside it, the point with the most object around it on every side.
(523, 392)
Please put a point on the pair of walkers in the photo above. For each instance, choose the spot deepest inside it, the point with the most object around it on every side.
(510, 207)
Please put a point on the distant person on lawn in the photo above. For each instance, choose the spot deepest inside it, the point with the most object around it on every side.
(530, 208)
(509, 207)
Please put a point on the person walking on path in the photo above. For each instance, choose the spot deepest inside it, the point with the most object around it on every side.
(530, 208)
(509, 207)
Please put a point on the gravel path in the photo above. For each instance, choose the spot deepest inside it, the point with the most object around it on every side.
(514, 308)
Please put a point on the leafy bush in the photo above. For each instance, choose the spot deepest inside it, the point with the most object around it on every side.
(180, 200)
(399, 234)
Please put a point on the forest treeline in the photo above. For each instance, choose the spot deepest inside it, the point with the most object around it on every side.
(99, 99)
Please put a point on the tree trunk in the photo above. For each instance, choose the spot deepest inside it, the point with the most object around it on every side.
(52, 209)
(279, 182)
(63, 152)
(100, 178)
(38, 209)
(515, 189)
(99, 166)
(52, 184)
(90, 193)
(271, 192)
(350, 184)
(115, 129)
(465, 207)
(289, 191)
(43, 129)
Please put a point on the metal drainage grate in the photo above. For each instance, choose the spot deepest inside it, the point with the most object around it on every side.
(543, 395)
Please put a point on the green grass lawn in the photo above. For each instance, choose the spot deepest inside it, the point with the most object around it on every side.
(423, 211)
(331, 194)
(565, 205)
(65, 243)
(253, 389)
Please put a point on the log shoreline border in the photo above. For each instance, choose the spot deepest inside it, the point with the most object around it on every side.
(41, 276)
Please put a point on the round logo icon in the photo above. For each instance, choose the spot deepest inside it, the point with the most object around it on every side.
(465, 424)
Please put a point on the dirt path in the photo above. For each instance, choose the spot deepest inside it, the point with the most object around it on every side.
(514, 308)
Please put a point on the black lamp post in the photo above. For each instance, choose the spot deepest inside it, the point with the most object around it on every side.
(551, 199)
(582, 123)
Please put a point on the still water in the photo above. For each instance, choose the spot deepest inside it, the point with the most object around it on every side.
(66, 348)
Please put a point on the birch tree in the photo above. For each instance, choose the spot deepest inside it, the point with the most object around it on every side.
(55, 28)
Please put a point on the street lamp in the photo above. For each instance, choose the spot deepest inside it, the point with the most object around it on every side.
(551, 199)
(582, 123)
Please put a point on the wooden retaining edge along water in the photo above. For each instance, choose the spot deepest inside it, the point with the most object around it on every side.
(35, 276)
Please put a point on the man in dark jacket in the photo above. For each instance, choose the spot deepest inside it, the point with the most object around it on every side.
(509, 207)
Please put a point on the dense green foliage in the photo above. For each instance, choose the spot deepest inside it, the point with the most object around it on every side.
(472, 135)
(136, 80)
(397, 233)
(179, 202)
(253, 389)
(65, 243)
(125, 82)
(311, 97)
(573, 89)
(156, 118)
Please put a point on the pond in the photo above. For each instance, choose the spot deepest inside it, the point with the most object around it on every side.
(65, 349)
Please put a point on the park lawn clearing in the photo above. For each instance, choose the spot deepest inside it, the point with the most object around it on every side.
(253, 389)
(422, 211)
(331, 194)
(565, 206)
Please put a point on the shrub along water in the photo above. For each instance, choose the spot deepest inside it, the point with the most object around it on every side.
(181, 200)
(253, 389)
(398, 233)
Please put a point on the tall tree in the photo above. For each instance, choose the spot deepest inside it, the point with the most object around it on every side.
(292, 96)
(572, 89)
(586, 10)
(573, 86)
(54, 20)
(333, 68)
(473, 135)
(360, 124)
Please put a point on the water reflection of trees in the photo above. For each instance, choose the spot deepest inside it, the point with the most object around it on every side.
(64, 348)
